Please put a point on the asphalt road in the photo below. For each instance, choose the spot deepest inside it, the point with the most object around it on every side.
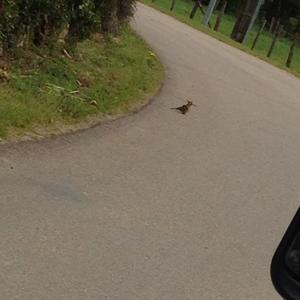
(159, 205)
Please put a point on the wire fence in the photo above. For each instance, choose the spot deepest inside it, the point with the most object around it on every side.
(269, 38)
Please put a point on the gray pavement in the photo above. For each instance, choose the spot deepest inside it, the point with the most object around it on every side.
(159, 205)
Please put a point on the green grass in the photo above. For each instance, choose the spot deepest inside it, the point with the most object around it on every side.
(182, 12)
(104, 78)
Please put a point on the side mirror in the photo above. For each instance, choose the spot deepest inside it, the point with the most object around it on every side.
(285, 269)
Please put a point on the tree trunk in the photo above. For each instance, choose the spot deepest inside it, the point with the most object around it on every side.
(109, 22)
(39, 31)
(221, 14)
(248, 8)
(71, 37)
(273, 21)
(2, 7)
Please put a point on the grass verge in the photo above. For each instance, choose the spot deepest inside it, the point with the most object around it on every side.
(53, 91)
(182, 12)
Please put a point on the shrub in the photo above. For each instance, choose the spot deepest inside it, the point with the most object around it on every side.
(39, 22)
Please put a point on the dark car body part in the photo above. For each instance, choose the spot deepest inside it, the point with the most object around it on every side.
(285, 268)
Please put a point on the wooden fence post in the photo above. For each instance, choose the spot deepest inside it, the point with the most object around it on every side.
(258, 34)
(276, 35)
(198, 4)
(292, 49)
(194, 10)
(172, 4)
(210, 9)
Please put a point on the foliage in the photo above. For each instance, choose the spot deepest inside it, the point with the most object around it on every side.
(82, 18)
(24, 23)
